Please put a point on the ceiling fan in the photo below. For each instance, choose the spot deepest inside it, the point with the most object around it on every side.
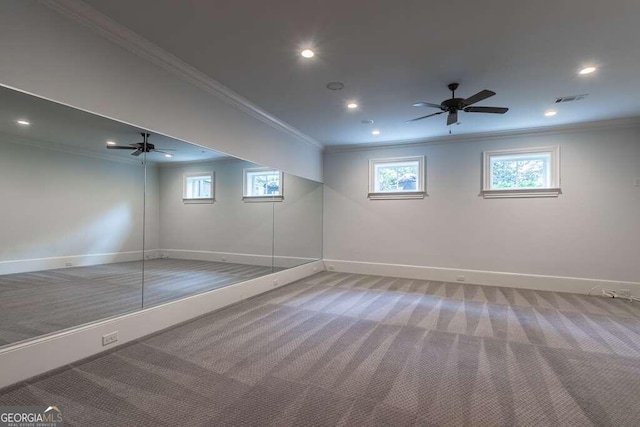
(141, 147)
(453, 105)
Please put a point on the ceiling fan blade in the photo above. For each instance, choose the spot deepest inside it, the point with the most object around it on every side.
(167, 149)
(424, 117)
(119, 147)
(494, 110)
(482, 95)
(155, 150)
(426, 104)
(137, 152)
(452, 118)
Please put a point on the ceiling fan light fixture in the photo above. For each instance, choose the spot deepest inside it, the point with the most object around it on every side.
(111, 143)
(23, 122)
(375, 132)
(168, 156)
(352, 105)
(550, 113)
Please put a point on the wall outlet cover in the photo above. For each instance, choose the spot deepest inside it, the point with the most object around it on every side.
(460, 278)
(110, 338)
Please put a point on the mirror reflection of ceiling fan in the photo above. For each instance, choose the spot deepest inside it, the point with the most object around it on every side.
(142, 147)
(453, 105)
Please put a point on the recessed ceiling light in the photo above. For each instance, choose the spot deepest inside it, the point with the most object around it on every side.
(588, 70)
(550, 113)
(23, 122)
(307, 53)
(352, 105)
(168, 156)
(375, 132)
(111, 143)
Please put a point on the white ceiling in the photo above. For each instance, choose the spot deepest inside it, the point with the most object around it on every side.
(66, 128)
(390, 54)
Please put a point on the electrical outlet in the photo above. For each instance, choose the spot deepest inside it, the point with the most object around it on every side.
(331, 268)
(224, 258)
(110, 338)
(275, 283)
(625, 292)
(68, 264)
(460, 278)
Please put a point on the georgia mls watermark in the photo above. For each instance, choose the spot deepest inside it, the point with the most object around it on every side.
(30, 416)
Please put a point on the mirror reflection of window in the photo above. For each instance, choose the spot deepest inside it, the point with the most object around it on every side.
(198, 186)
(262, 182)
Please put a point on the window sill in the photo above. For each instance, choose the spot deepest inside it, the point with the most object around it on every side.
(399, 195)
(252, 199)
(521, 193)
(197, 201)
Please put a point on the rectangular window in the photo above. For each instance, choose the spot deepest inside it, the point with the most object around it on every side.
(397, 178)
(529, 172)
(198, 187)
(263, 184)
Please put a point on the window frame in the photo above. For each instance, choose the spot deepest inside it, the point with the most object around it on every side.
(420, 191)
(553, 190)
(197, 200)
(267, 198)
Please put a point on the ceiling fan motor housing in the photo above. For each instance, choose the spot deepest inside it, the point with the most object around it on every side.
(453, 104)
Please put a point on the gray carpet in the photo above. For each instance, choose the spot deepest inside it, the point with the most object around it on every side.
(350, 350)
(33, 304)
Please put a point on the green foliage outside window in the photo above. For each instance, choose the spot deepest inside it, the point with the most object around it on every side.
(518, 174)
(397, 178)
(265, 184)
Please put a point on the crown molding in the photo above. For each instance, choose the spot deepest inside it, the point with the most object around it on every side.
(128, 39)
(624, 123)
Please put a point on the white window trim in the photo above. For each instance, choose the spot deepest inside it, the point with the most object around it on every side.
(198, 200)
(552, 191)
(420, 193)
(247, 198)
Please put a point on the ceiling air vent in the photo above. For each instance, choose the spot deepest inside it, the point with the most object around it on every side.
(571, 98)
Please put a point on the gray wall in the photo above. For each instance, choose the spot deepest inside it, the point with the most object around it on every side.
(47, 54)
(591, 231)
(290, 228)
(298, 219)
(59, 204)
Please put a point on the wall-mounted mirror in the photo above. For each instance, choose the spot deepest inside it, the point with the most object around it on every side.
(100, 218)
(71, 228)
(209, 236)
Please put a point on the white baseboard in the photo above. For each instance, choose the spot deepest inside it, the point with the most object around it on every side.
(31, 358)
(236, 258)
(54, 263)
(479, 277)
